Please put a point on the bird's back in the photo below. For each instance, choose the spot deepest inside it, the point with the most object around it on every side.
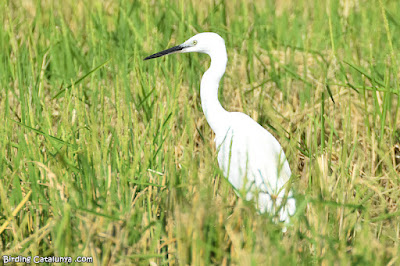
(253, 161)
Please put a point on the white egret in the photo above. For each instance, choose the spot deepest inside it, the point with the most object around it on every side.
(250, 157)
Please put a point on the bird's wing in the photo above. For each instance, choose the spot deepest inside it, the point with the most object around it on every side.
(261, 155)
(252, 159)
(267, 162)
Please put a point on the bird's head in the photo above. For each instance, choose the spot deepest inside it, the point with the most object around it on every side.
(206, 42)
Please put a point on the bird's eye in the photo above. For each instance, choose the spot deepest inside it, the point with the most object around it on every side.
(194, 42)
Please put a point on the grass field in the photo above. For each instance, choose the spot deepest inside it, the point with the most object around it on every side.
(105, 155)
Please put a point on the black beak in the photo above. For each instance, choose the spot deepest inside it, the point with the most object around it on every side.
(165, 52)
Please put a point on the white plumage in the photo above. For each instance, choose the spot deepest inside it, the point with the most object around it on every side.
(250, 157)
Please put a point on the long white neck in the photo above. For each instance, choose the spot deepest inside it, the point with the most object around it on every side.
(216, 115)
